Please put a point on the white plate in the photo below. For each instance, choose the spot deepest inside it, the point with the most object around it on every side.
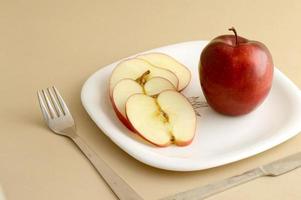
(219, 139)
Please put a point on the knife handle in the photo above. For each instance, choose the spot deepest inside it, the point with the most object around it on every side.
(210, 189)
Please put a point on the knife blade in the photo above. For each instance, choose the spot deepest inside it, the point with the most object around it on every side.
(274, 168)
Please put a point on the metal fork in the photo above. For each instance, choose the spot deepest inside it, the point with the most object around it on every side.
(59, 120)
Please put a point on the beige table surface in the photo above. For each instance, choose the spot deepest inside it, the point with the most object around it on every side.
(63, 42)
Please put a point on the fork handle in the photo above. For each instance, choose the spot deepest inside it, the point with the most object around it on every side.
(120, 188)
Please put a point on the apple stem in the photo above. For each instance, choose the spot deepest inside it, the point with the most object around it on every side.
(235, 33)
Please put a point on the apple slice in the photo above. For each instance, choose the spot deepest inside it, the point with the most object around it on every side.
(127, 87)
(136, 68)
(122, 91)
(164, 61)
(168, 118)
(156, 85)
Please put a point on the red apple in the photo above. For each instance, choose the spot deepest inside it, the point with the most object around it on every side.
(235, 74)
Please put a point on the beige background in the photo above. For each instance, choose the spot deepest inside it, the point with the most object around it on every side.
(43, 43)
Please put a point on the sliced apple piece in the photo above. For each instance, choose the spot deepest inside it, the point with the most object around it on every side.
(168, 118)
(122, 91)
(181, 115)
(147, 120)
(167, 62)
(127, 87)
(156, 85)
(135, 68)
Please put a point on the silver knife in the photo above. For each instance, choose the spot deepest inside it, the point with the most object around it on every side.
(275, 168)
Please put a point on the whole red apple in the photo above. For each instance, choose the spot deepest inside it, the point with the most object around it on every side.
(235, 74)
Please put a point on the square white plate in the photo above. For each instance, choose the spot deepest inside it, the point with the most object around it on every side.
(219, 139)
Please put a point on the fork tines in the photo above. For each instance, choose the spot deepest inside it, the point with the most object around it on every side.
(52, 103)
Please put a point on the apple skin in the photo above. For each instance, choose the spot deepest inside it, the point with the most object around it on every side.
(235, 78)
(183, 143)
(121, 117)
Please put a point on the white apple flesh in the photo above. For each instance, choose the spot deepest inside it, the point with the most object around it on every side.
(168, 118)
(166, 62)
(156, 85)
(135, 68)
(122, 91)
